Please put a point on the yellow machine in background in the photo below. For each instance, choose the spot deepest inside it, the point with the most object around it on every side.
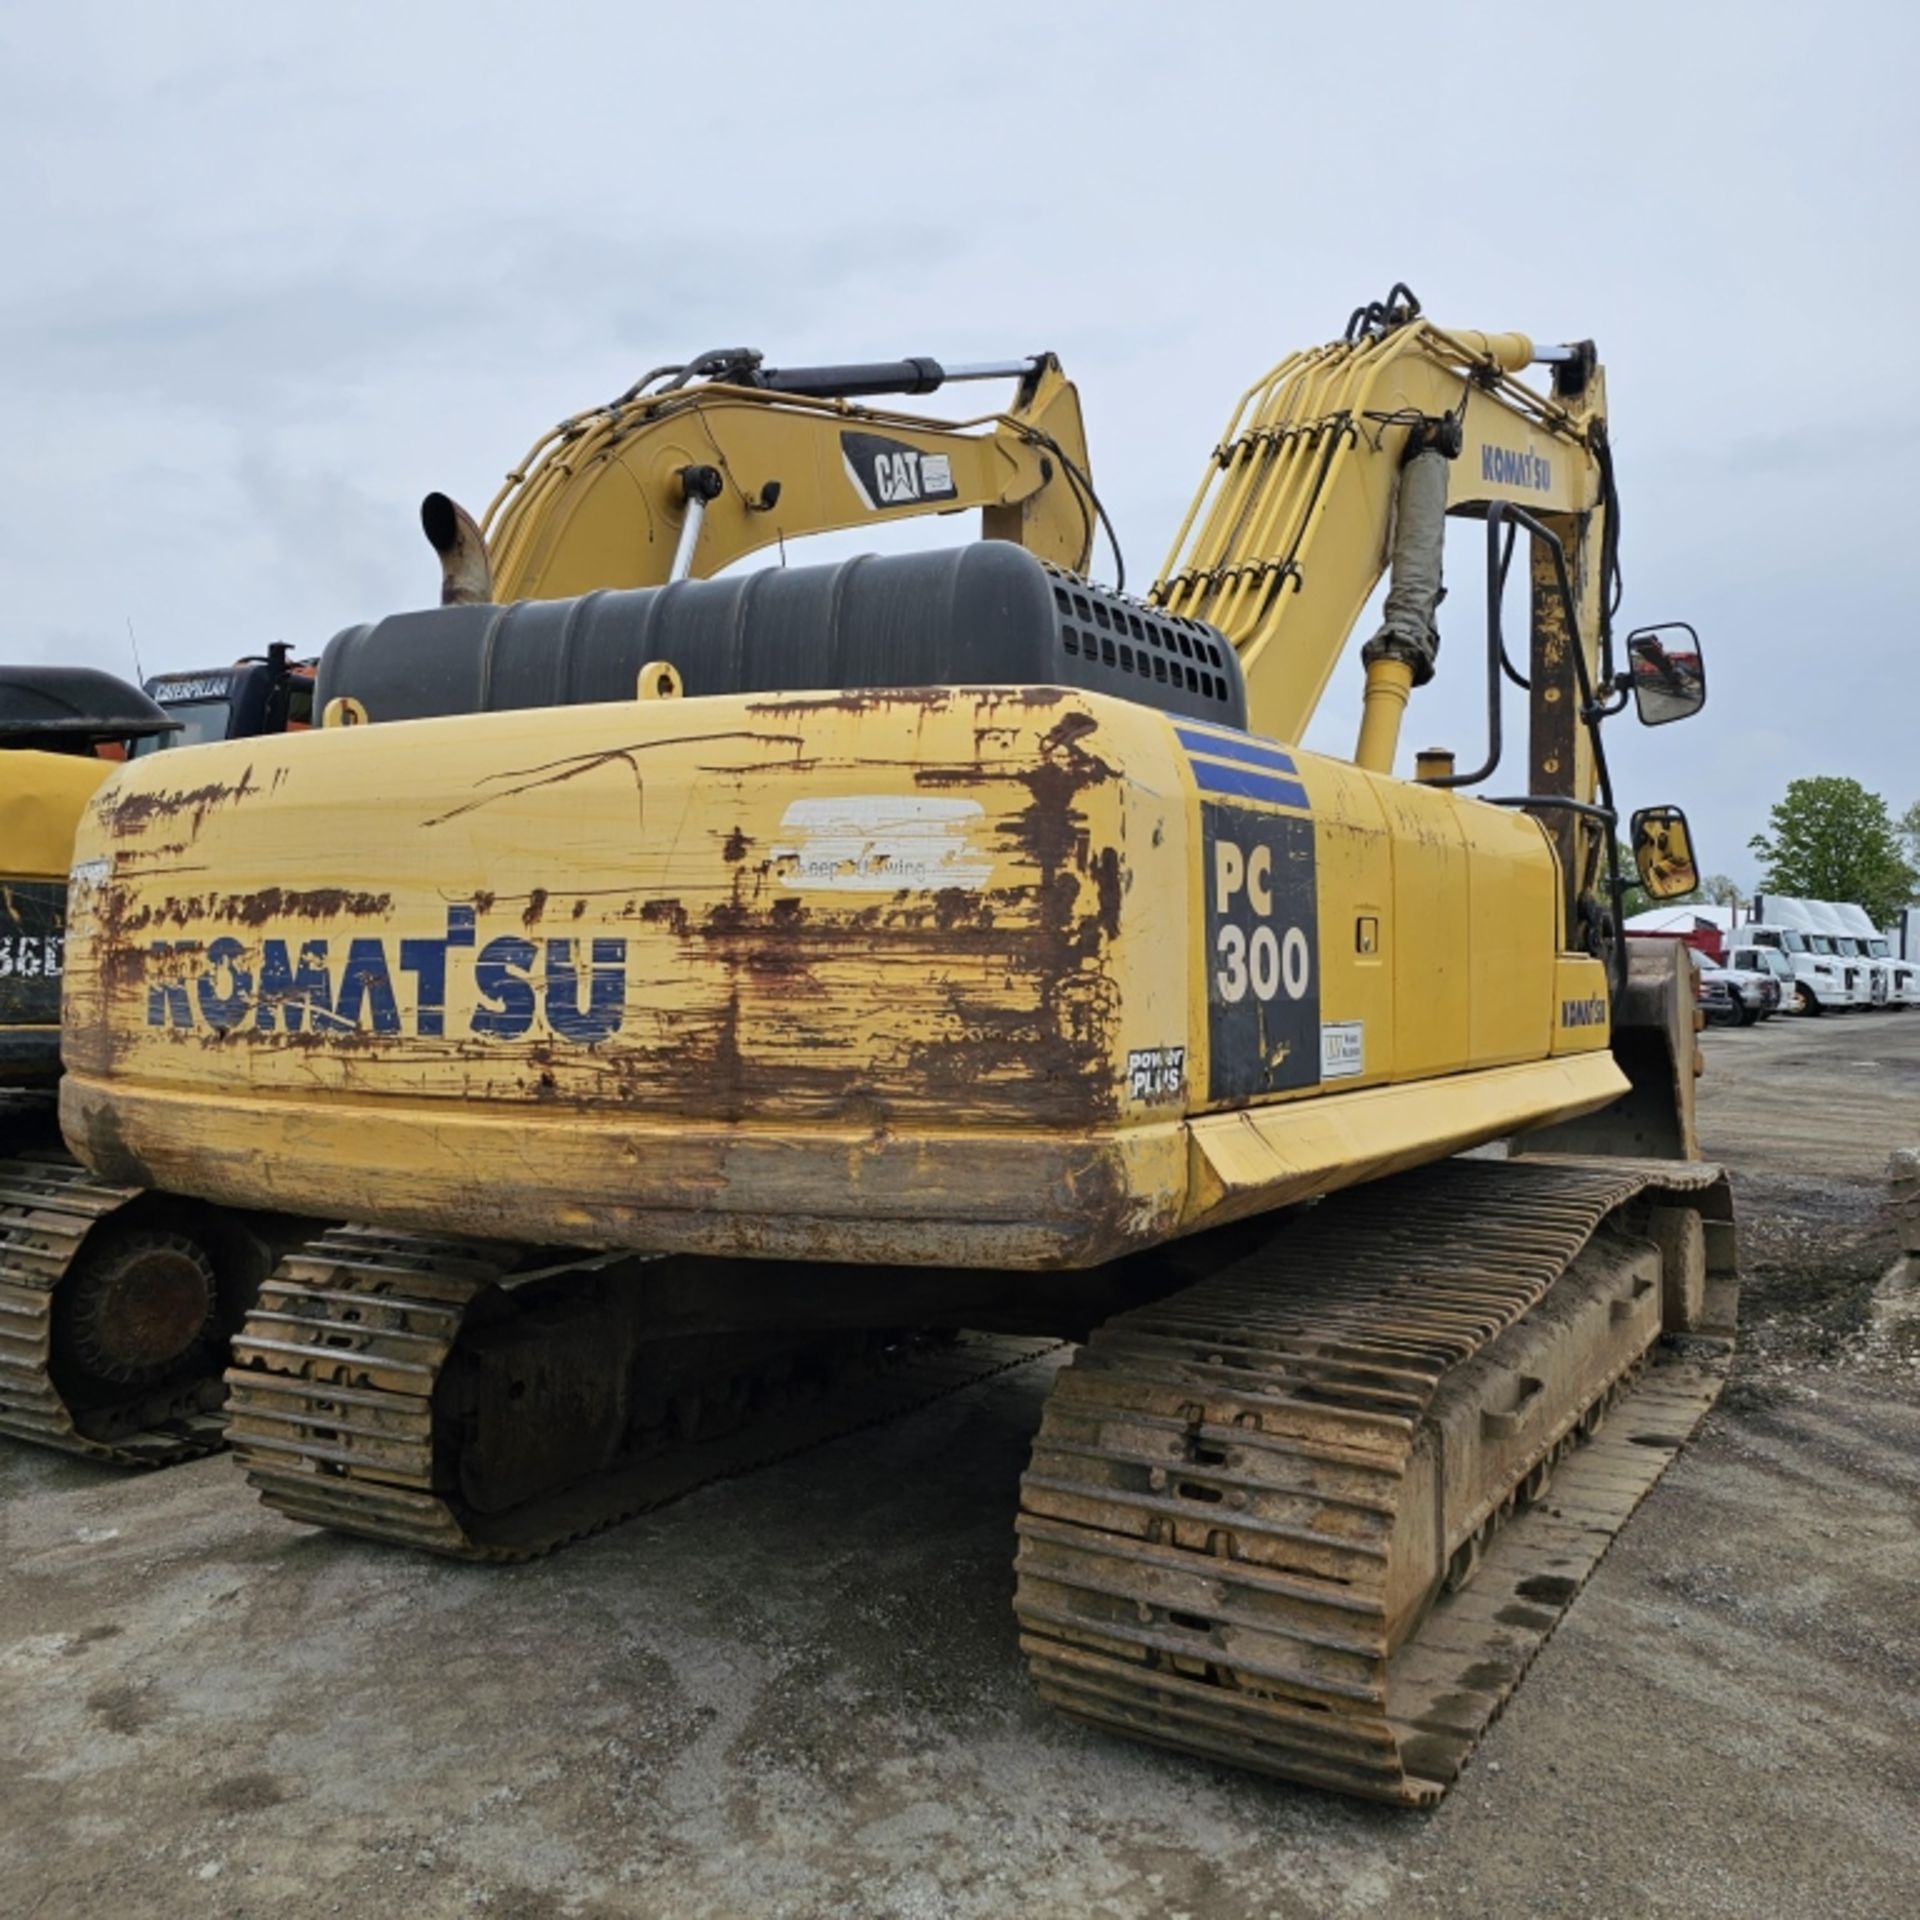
(53, 721)
(115, 1303)
(946, 940)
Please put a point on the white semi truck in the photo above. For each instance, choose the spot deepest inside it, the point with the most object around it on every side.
(1903, 975)
(1874, 980)
(1824, 981)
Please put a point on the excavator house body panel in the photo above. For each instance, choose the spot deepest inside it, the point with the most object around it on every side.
(1024, 977)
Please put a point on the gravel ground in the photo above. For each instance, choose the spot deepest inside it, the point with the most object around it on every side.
(798, 1694)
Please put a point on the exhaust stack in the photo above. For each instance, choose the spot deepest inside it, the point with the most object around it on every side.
(466, 573)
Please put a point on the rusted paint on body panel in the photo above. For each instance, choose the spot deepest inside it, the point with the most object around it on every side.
(874, 994)
(946, 1194)
(133, 810)
(263, 907)
(744, 994)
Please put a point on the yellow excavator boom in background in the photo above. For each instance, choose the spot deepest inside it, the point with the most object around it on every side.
(945, 940)
(697, 466)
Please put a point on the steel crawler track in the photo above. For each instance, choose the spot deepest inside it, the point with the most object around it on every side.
(1210, 1521)
(47, 1208)
(332, 1403)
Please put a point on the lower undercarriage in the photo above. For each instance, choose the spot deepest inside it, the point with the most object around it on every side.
(1315, 1515)
(1308, 1505)
(116, 1305)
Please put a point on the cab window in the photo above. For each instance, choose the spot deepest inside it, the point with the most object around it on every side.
(201, 722)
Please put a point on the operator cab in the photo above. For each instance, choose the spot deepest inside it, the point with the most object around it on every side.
(263, 694)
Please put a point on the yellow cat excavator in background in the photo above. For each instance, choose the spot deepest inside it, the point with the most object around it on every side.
(117, 1303)
(697, 466)
(944, 940)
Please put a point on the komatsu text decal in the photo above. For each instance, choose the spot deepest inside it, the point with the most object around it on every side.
(512, 986)
(1515, 467)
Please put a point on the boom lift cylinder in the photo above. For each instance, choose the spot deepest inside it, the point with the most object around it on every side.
(1401, 655)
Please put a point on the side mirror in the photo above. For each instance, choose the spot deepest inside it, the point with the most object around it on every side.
(1666, 673)
(1663, 852)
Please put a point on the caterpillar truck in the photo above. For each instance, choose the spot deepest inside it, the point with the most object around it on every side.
(117, 1303)
(686, 980)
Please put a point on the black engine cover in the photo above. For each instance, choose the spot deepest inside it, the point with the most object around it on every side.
(990, 614)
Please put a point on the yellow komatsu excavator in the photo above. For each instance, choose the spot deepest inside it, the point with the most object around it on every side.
(117, 1303)
(708, 978)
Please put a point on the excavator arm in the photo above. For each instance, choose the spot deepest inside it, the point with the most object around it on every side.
(679, 480)
(1292, 527)
(1342, 463)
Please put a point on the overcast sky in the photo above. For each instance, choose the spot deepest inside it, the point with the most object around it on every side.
(271, 274)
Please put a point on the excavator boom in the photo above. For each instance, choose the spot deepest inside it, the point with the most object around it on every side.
(729, 457)
(1291, 528)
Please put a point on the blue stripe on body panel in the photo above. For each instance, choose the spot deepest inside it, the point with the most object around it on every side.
(1232, 746)
(1246, 784)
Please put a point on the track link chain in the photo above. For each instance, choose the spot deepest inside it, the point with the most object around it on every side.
(1207, 1521)
(331, 1403)
(48, 1206)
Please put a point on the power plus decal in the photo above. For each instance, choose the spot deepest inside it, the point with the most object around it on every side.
(1156, 1074)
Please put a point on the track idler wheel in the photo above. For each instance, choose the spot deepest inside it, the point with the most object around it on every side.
(139, 1309)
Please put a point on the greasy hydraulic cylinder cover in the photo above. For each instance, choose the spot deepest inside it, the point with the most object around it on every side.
(989, 614)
